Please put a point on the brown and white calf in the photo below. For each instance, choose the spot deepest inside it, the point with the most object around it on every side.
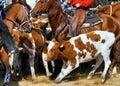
(83, 48)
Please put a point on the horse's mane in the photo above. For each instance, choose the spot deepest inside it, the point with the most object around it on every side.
(10, 5)
(57, 11)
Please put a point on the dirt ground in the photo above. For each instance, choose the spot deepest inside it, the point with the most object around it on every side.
(73, 79)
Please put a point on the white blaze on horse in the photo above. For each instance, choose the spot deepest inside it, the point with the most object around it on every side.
(80, 49)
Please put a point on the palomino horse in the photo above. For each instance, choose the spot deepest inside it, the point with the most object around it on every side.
(60, 23)
(16, 15)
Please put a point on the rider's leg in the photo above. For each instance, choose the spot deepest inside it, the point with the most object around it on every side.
(7, 37)
(77, 20)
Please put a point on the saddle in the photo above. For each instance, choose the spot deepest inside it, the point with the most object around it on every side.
(91, 19)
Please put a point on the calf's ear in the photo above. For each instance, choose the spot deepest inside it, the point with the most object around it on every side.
(61, 48)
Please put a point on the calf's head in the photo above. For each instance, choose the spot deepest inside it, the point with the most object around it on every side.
(60, 50)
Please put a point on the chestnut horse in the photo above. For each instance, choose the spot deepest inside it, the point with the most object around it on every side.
(40, 34)
(17, 15)
(60, 23)
(112, 10)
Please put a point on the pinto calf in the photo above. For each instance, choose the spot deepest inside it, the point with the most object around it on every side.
(83, 48)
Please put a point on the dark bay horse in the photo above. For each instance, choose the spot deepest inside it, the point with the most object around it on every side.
(60, 23)
(17, 19)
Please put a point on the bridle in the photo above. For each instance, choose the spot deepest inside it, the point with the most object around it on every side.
(24, 20)
(111, 10)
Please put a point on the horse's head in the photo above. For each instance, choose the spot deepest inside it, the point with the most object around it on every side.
(42, 6)
(107, 9)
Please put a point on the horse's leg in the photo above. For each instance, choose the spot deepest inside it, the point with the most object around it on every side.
(31, 54)
(53, 65)
(98, 63)
(45, 63)
(115, 54)
(6, 61)
(31, 60)
(112, 66)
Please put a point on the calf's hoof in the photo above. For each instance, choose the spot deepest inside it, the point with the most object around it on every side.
(49, 74)
(89, 77)
(57, 81)
(103, 80)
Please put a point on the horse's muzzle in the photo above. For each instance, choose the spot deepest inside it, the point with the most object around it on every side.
(34, 15)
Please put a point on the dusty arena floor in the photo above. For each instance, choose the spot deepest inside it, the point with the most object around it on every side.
(71, 81)
(74, 79)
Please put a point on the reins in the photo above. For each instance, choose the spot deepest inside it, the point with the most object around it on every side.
(110, 10)
(60, 31)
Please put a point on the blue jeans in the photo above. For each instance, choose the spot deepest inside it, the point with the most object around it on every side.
(7, 37)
